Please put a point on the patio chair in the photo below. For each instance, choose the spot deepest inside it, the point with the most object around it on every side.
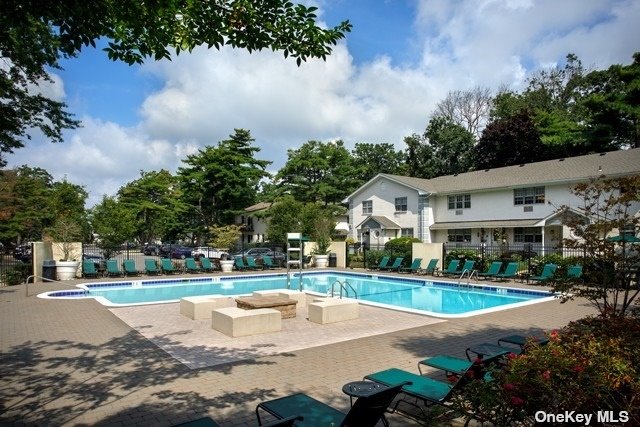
(452, 268)
(467, 266)
(494, 269)
(167, 266)
(89, 269)
(190, 266)
(267, 262)
(130, 269)
(395, 266)
(523, 340)
(150, 267)
(413, 268)
(366, 411)
(547, 273)
(251, 264)
(207, 265)
(112, 268)
(510, 272)
(239, 263)
(384, 262)
(432, 267)
(574, 272)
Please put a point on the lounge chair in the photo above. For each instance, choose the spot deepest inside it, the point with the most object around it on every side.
(415, 266)
(239, 263)
(89, 269)
(494, 269)
(523, 340)
(150, 266)
(130, 269)
(112, 268)
(547, 273)
(432, 267)
(251, 264)
(395, 266)
(510, 272)
(452, 268)
(207, 265)
(384, 262)
(467, 267)
(267, 262)
(365, 412)
(191, 266)
(167, 266)
(574, 272)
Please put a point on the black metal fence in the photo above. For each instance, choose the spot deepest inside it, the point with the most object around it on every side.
(15, 265)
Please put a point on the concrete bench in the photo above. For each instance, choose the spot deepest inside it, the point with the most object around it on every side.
(236, 322)
(300, 297)
(333, 310)
(200, 307)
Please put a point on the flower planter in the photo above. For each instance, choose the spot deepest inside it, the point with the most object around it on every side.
(227, 265)
(66, 270)
(321, 261)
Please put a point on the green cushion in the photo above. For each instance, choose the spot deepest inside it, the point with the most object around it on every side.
(315, 413)
(421, 387)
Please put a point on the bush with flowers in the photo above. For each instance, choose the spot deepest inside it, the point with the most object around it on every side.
(590, 365)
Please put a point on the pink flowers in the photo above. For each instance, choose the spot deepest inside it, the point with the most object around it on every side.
(516, 401)
(546, 375)
(509, 387)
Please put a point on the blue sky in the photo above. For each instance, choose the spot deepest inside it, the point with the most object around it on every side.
(379, 85)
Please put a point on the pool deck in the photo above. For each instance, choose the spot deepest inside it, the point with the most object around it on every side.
(76, 362)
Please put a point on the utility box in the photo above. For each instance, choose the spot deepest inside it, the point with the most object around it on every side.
(49, 269)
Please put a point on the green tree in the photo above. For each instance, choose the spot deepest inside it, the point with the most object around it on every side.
(221, 181)
(318, 171)
(113, 222)
(35, 35)
(284, 217)
(372, 159)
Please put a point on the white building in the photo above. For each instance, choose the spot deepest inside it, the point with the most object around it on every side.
(516, 205)
(254, 227)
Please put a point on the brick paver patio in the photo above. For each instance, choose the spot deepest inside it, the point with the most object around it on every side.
(76, 363)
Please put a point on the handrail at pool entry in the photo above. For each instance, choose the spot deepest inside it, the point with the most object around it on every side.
(343, 286)
(44, 279)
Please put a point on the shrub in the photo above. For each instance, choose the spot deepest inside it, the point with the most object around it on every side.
(462, 255)
(16, 275)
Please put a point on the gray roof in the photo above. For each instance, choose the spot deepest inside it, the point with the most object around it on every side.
(382, 220)
(569, 170)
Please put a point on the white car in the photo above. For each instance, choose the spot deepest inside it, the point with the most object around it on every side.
(206, 251)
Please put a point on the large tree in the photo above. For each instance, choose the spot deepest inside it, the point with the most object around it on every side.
(467, 108)
(35, 35)
(372, 159)
(113, 222)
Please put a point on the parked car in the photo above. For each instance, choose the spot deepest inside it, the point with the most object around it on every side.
(177, 251)
(151, 249)
(254, 252)
(208, 252)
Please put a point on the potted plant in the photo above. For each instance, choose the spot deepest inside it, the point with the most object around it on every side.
(225, 237)
(65, 234)
(322, 236)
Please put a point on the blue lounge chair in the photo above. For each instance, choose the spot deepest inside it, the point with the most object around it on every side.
(413, 268)
(207, 265)
(432, 267)
(130, 269)
(89, 269)
(547, 273)
(167, 266)
(190, 266)
(452, 268)
(150, 266)
(239, 263)
(112, 268)
(574, 272)
(395, 266)
(267, 262)
(251, 264)
(384, 262)
(494, 269)
(510, 272)
(367, 411)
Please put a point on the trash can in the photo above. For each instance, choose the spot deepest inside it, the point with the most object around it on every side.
(333, 260)
(49, 269)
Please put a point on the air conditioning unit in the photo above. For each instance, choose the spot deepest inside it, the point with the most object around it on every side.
(528, 208)
(459, 212)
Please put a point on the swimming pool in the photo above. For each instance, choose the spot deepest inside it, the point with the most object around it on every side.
(418, 295)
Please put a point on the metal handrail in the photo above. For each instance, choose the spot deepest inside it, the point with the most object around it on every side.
(44, 279)
(343, 286)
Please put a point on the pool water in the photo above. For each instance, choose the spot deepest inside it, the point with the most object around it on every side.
(409, 294)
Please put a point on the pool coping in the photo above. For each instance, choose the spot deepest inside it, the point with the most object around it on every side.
(82, 291)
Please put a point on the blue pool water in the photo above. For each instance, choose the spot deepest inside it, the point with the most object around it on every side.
(413, 294)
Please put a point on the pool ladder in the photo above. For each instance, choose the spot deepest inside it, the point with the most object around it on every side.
(344, 287)
(470, 275)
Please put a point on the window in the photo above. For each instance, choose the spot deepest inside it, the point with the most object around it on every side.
(527, 235)
(460, 235)
(401, 204)
(460, 201)
(528, 196)
(367, 207)
(407, 232)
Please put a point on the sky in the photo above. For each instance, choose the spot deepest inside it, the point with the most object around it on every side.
(379, 85)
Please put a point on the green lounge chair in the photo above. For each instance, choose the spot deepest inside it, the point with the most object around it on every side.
(467, 267)
(167, 266)
(494, 269)
(384, 262)
(452, 268)
(547, 273)
(267, 262)
(190, 266)
(395, 266)
(89, 269)
(251, 264)
(150, 267)
(415, 266)
(574, 272)
(207, 265)
(239, 263)
(432, 267)
(523, 340)
(130, 269)
(510, 272)
(112, 268)
(366, 411)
